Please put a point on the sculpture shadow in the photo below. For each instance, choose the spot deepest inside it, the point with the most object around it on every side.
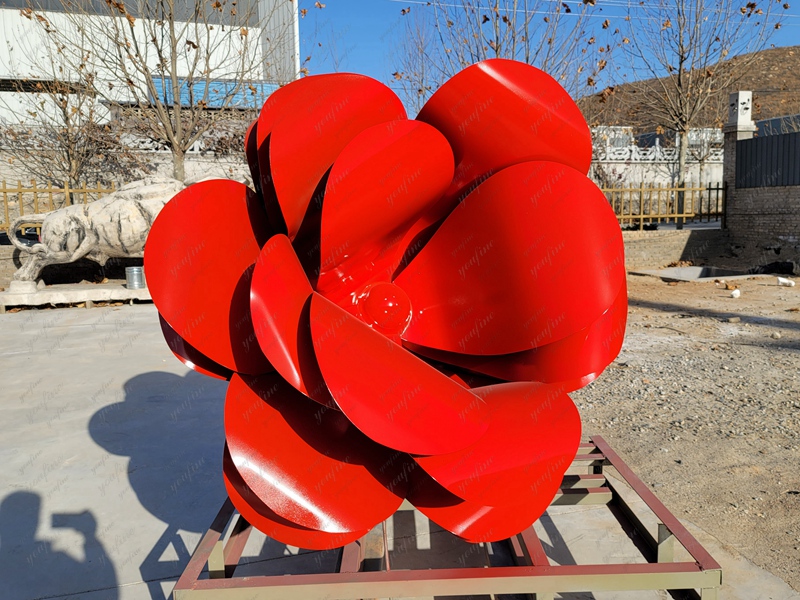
(171, 428)
(32, 568)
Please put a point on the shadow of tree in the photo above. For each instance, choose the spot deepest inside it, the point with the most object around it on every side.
(171, 427)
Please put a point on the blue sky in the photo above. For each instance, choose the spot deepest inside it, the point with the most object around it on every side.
(359, 35)
(356, 36)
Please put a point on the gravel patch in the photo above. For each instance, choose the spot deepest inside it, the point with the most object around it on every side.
(704, 404)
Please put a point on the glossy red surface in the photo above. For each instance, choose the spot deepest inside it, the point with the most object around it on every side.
(265, 519)
(325, 114)
(385, 268)
(190, 356)
(509, 269)
(468, 520)
(533, 435)
(278, 103)
(386, 308)
(498, 113)
(198, 266)
(572, 362)
(279, 299)
(308, 463)
(379, 186)
(403, 403)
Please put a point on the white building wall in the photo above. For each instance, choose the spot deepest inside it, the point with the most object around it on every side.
(25, 54)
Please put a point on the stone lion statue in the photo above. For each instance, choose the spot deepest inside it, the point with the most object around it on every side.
(114, 226)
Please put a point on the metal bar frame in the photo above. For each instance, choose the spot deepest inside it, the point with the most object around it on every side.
(534, 574)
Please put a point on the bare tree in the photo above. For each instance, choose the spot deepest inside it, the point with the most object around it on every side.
(172, 69)
(445, 36)
(679, 53)
(413, 56)
(56, 129)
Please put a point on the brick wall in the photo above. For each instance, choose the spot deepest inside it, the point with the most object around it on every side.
(659, 248)
(765, 217)
(764, 220)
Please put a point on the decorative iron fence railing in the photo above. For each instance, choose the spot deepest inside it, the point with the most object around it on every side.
(647, 204)
(19, 200)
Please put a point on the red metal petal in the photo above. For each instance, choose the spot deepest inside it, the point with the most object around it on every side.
(533, 255)
(279, 301)
(266, 520)
(307, 462)
(278, 103)
(190, 356)
(500, 112)
(380, 184)
(198, 259)
(532, 438)
(468, 520)
(326, 112)
(388, 393)
(575, 360)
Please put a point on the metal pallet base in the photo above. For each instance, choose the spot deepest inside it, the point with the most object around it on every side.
(533, 573)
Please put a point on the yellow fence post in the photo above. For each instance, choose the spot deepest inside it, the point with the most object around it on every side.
(641, 206)
(5, 206)
(20, 205)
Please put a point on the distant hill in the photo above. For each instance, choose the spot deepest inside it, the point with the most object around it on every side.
(773, 77)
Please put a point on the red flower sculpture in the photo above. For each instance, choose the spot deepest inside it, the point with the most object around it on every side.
(401, 305)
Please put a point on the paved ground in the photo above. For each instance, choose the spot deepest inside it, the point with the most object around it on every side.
(111, 460)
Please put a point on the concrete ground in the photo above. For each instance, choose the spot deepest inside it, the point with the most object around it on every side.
(111, 470)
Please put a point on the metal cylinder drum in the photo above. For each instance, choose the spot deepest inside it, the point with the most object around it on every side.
(134, 278)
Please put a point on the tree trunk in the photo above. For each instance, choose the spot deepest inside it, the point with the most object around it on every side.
(700, 179)
(681, 139)
(178, 160)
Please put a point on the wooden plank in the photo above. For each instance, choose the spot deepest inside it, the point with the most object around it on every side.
(35, 197)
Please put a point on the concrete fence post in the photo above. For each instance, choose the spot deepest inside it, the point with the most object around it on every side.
(740, 126)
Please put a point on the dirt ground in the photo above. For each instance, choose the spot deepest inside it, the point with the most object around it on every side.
(704, 403)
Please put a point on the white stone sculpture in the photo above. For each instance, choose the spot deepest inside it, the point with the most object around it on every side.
(116, 226)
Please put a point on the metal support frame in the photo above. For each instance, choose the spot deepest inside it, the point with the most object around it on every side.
(533, 574)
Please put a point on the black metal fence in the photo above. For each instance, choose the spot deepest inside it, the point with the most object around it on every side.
(768, 161)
